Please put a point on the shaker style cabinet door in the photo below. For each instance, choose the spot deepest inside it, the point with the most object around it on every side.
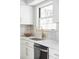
(23, 53)
(30, 53)
(26, 51)
(26, 14)
(51, 57)
(23, 50)
(53, 54)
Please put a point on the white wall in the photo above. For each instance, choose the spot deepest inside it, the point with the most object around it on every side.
(56, 10)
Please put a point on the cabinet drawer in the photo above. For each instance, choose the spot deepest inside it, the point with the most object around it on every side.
(26, 42)
(53, 57)
(22, 41)
(29, 44)
(53, 52)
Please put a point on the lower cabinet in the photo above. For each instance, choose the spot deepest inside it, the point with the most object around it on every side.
(26, 52)
(51, 57)
(30, 53)
(53, 54)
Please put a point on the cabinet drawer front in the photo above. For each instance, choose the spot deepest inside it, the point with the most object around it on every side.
(51, 57)
(29, 44)
(26, 43)
(53, 52)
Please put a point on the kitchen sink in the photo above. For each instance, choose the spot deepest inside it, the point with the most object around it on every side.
(36, 39)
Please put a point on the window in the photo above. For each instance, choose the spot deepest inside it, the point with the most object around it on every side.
(46, 17)
(46, 11)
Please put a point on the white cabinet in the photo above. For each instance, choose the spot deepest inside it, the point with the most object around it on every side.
(51, 57)
(23, 50)
(30, 53)
(53, 54)
(26, 14)
(27, 51)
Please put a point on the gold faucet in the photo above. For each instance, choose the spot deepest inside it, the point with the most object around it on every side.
(43, 34)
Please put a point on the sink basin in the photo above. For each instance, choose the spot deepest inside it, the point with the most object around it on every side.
(36, 39)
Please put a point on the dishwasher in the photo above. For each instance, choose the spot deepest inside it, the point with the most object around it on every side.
(41, 52)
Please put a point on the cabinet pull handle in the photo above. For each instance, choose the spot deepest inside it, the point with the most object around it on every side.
(43, 50)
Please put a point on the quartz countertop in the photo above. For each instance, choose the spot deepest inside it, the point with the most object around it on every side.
(46, 42)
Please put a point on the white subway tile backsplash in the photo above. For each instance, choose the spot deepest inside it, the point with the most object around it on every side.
(26, 29)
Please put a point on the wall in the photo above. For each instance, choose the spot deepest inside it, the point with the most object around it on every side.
(54, 34)
(56, 10)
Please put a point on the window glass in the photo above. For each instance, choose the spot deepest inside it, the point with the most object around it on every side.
(46, 11)
(46, 17)
(46, 23)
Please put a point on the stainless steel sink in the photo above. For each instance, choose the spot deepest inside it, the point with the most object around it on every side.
(36, 39)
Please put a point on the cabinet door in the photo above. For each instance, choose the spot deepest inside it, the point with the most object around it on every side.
(27, 52)
(30, 53)
(53, 54)
(24, 52)
(23, 49)
(51, 57)
(26, 15)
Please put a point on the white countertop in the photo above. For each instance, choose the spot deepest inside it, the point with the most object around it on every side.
(48, 42)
